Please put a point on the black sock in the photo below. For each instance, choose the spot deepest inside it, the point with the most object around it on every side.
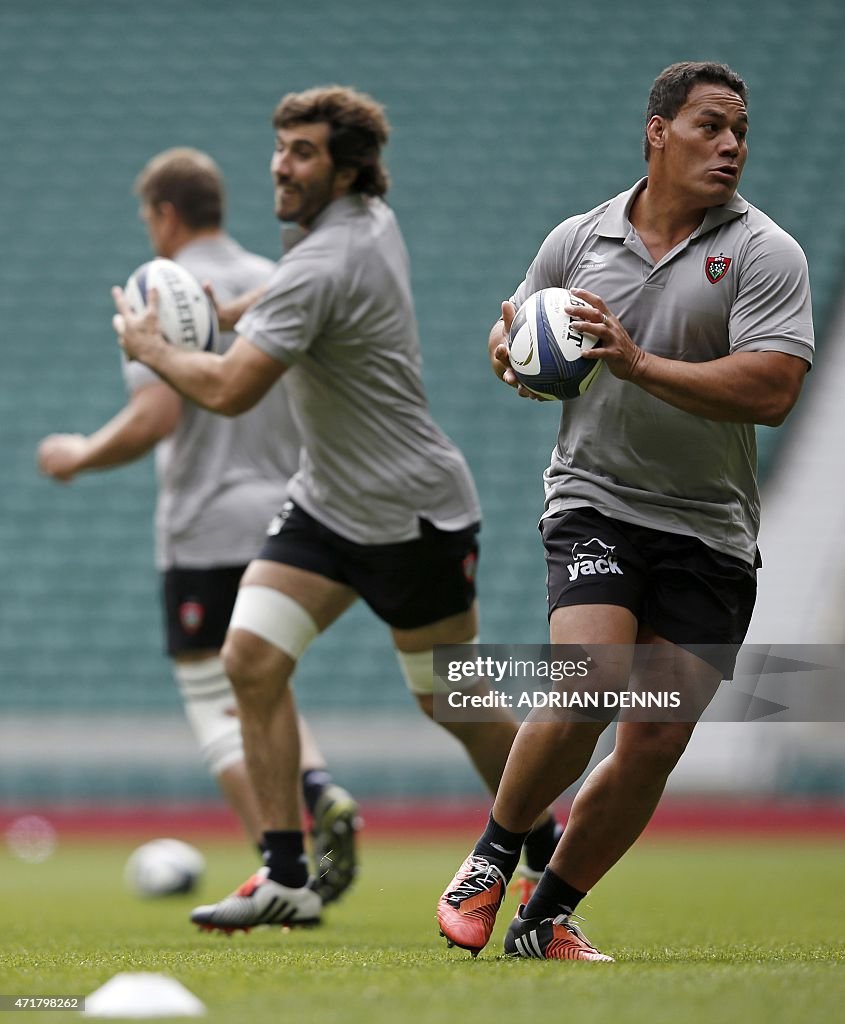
(501, 847)
(284, 854)
(314, 781)
(552, 896)
(540, 844)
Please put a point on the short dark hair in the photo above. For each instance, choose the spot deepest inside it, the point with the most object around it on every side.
(358, 129)
(190, 180)
(672, 87)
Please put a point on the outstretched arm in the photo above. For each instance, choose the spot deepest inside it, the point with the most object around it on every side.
(149, 416)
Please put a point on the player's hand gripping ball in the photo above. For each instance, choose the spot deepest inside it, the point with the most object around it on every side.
(186, 314)
(545, 352)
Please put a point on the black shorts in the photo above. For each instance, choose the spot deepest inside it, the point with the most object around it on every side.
(408, 585)
(198, 604)
(687, 592)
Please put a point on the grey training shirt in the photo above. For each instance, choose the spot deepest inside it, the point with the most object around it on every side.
(338, 311)
(739, 283)
(220, 479)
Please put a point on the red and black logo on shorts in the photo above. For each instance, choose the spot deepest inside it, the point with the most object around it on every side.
(469, 566)
(191, 615)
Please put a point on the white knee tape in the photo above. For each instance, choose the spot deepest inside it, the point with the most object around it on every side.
(274, 617)
(212, 712)
(418, 670)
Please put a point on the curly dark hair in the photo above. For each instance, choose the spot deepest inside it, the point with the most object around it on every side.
(358, 129)
(672, 86)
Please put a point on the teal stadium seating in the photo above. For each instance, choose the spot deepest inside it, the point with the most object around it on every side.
(507, 117)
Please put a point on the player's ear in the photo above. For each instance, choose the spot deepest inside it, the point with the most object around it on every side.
(655, 131)
(344, 179)
(167, 212)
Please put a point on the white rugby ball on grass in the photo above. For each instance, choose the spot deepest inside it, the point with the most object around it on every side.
(164, 867)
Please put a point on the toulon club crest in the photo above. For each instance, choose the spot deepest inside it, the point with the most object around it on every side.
(715, 267)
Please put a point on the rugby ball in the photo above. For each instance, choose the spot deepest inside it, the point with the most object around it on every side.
(545, 352)
(164, 867)
(186, 314)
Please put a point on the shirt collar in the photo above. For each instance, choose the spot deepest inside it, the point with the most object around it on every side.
(337, 210)
(202, 242)
(615, 221)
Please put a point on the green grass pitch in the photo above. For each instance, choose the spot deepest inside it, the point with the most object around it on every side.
(702, 932)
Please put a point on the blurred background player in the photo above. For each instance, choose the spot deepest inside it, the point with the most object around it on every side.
(220, 482)
(383, 506)
(701, 306)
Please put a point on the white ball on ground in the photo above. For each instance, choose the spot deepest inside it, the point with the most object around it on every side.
(164, 867)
